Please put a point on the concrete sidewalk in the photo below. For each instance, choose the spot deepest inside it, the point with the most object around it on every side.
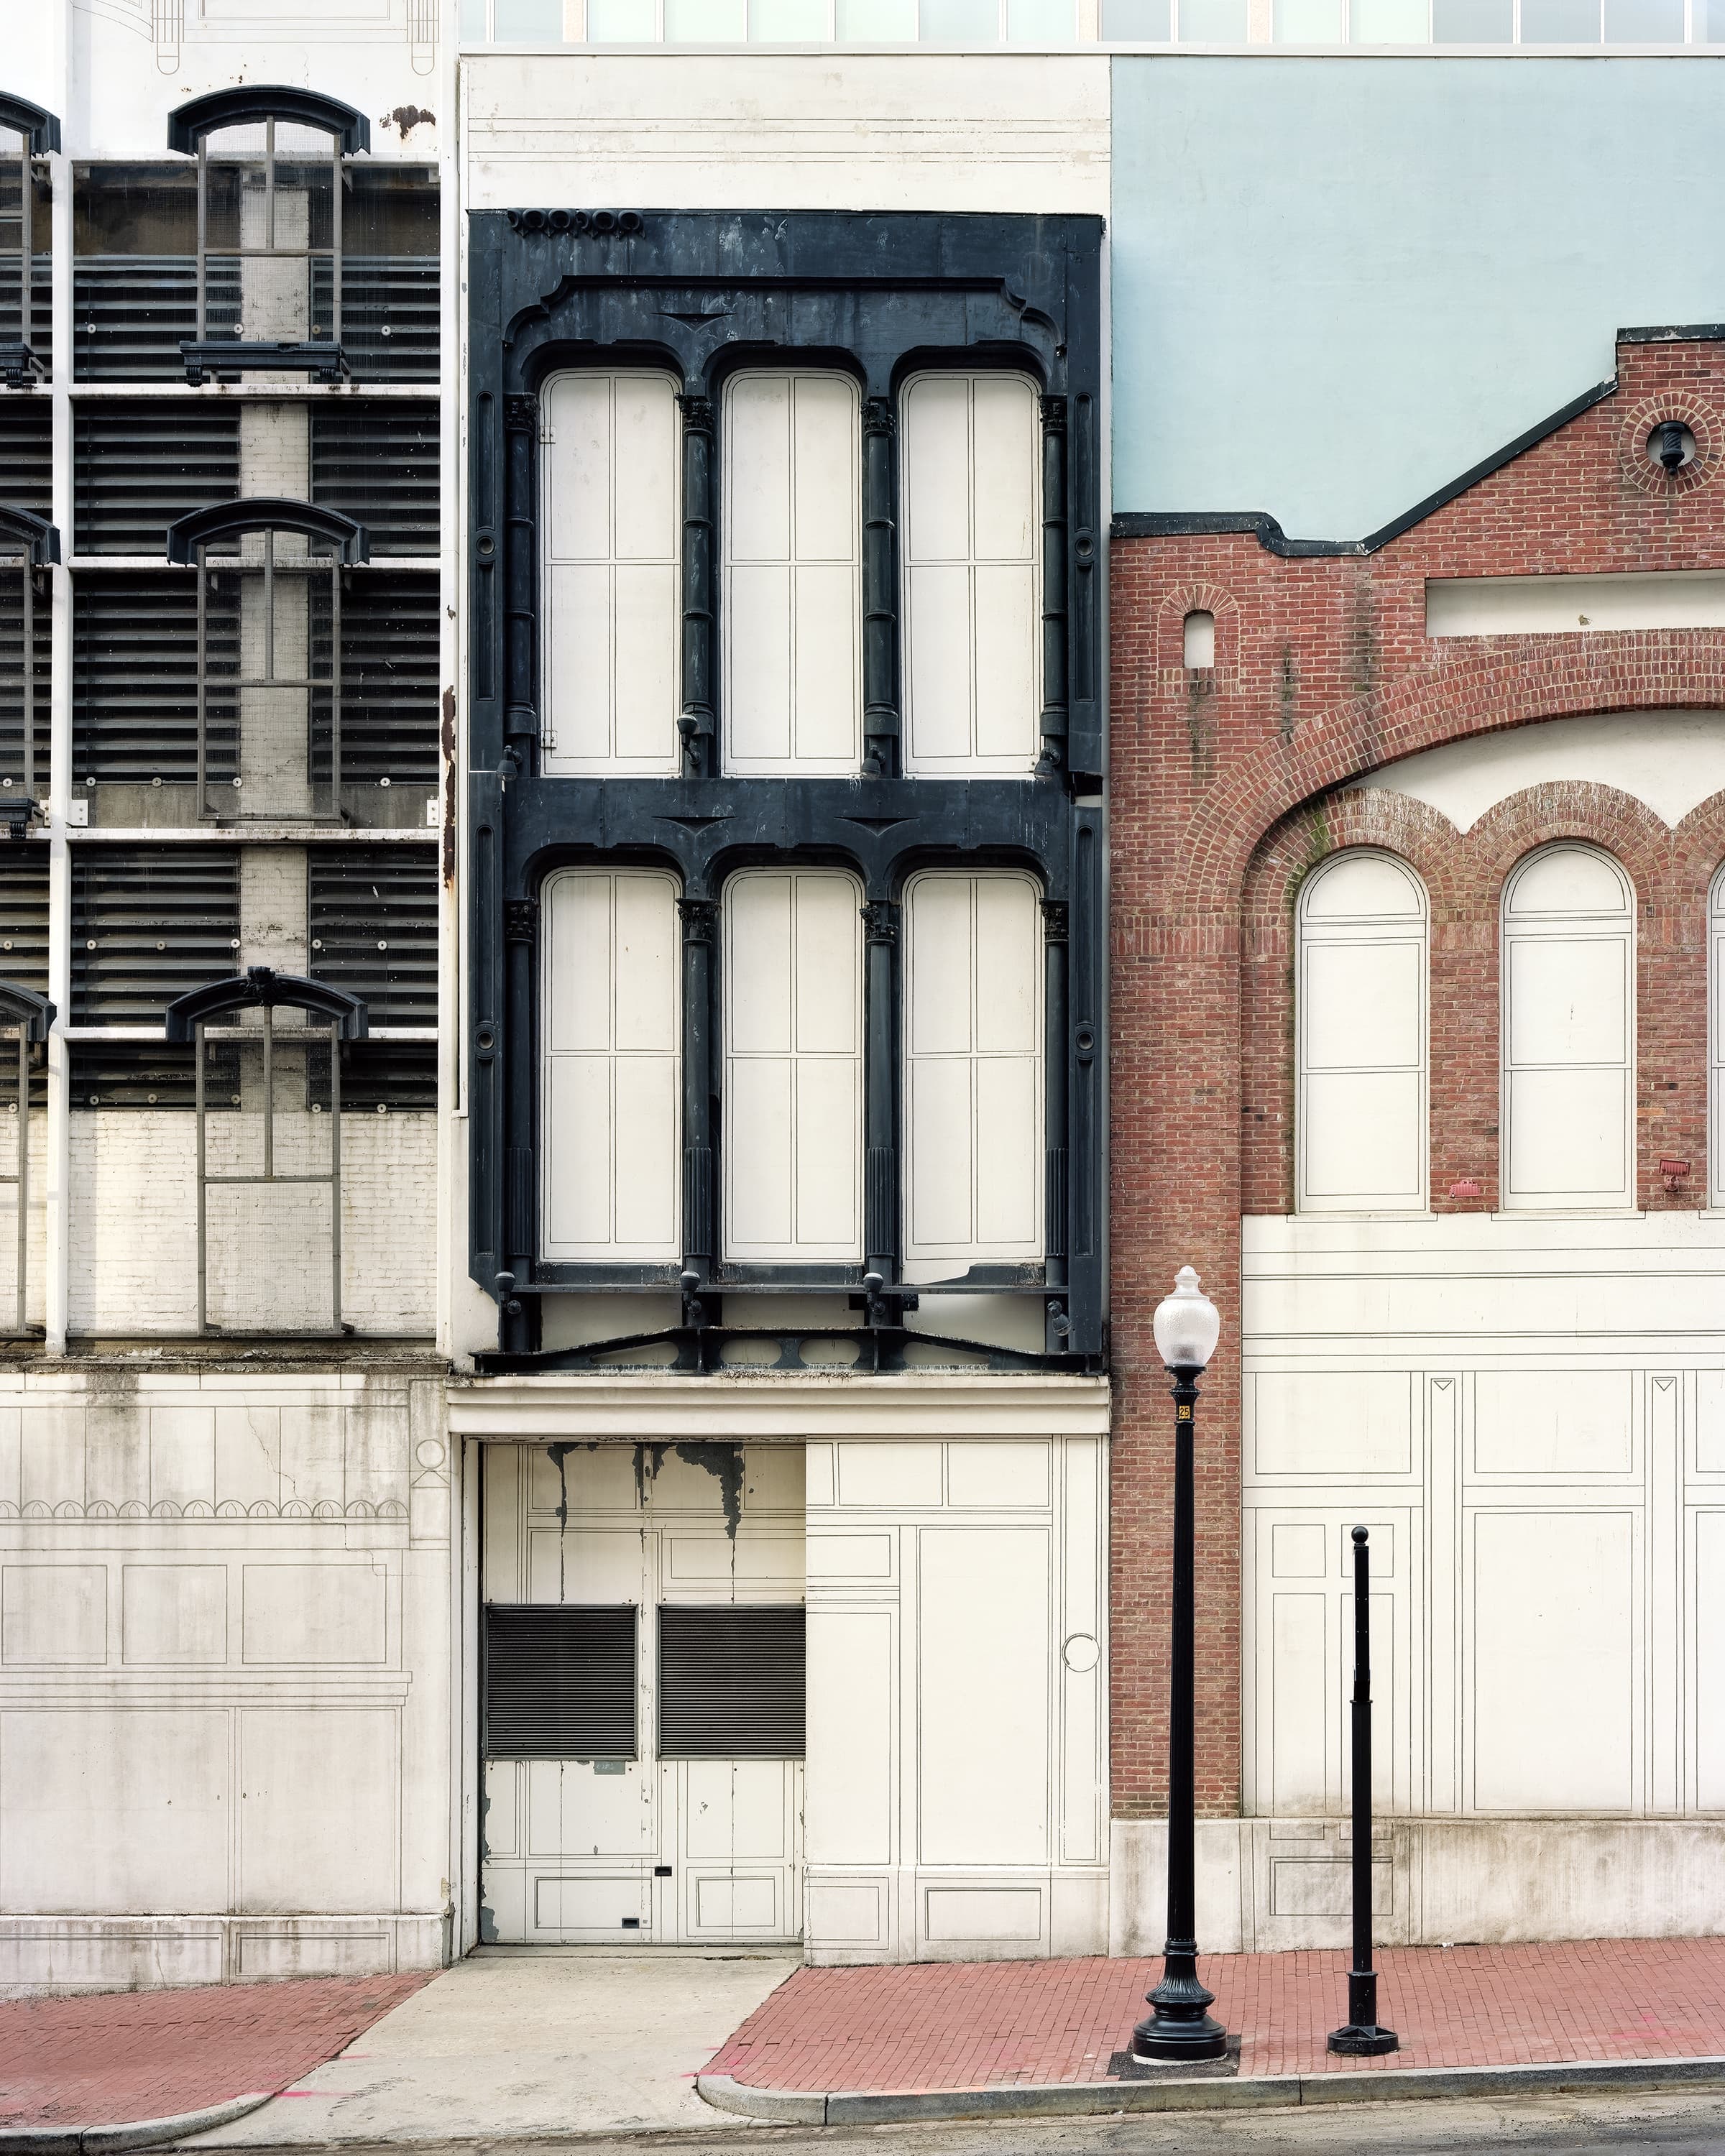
(531, 2041)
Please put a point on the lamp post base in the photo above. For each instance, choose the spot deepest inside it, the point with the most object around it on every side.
(1363, 2040)
(1180, 2028)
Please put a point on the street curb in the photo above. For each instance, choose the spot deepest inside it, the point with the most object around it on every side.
(137, 2133)
(1077, 2099)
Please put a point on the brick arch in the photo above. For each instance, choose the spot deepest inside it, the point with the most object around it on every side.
(1572, 677)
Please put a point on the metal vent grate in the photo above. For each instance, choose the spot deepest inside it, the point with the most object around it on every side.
(559, 1681)
(130, 312)
(27, 445)
(135, 467)
(731, 1682)
(148, 922)
(135, 678)
(379, 463)
(146, 1074)
(12, 677)
(389, 315)
(379, 1077)
(372, 916)
(24, 915)
(389, 678)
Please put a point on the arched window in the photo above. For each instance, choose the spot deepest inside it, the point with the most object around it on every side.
(613, 1067)
(1360, 1115)
(612, 536)
(792, 1003)
(1569, 1032)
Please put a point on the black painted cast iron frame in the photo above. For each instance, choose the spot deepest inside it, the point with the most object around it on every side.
(1181, 2027)
(699, 295)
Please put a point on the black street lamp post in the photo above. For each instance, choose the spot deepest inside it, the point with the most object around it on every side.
(1188, 1326)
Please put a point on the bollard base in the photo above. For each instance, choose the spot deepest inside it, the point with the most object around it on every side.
(1363, 2040)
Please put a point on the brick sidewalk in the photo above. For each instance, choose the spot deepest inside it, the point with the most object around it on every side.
(118, 2056)
(983, 2024)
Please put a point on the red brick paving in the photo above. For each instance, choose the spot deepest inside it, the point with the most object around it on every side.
(126, 2054)
(980, 2024)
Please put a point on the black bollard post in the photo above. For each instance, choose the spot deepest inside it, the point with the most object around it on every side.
(1363, 2036)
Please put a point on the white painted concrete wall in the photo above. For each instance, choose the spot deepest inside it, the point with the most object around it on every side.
(224, 1676)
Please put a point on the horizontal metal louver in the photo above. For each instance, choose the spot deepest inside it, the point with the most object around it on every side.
(27, 448)
(389, 315)
(12, 677)
(130, 312)
(135, 467)
(23, 914)
(730, 1681)
(373, 918)
(144, 1074)
(560, 1682)
(135, 677)
(379, 463)
(379, 1077)
(148, 922)
(389, 678)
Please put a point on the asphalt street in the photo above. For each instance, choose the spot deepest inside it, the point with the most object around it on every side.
(1683, 2123)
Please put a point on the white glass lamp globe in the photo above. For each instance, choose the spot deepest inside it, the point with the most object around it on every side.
(1187, 1324)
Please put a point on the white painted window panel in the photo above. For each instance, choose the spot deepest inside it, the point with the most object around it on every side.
(1568, 1002)
(1361, 1128)
(1361, 1032)
(984, 1652)
(792, 1006)
(1364, 1005)
(973, 1136)
(793, 573)
(1566, 1136)
(612, 1080)
(1552, 1725)
(612, 479)
(1568, 1032)
(1299, 1696)
(971, 495)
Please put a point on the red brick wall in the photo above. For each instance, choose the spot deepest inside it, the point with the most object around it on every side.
(1224, 793)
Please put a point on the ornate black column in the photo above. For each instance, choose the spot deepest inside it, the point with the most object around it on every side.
(1053, 584)
(700, 929)
(880, 919)
(519, 1329)
(695, 724)
(1055, 1136)
(521, 699)
(879, 508)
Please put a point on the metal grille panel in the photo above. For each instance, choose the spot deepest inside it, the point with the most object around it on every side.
(135, 678)
(12, 678)
(730, 1681)
(372, 916)
(145, 1074)
(389, 678)
(23, 914)
(560, 1682)
(135, 467)
(379, 463)
(148, 922)
(27, 444)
